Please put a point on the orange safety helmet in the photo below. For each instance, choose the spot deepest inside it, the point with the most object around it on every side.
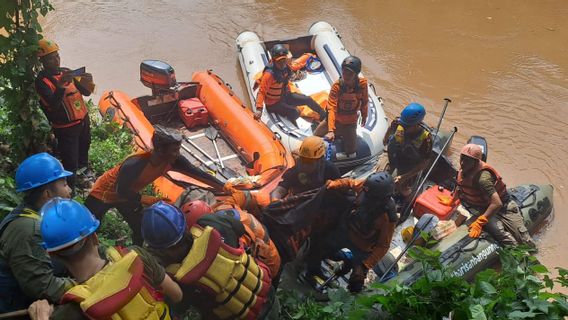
(46, 47)
(472, 150)
(312, 148)
(194, 210)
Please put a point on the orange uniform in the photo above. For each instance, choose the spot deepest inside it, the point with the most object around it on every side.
(270, 88)
(373, 237)
(342, 106)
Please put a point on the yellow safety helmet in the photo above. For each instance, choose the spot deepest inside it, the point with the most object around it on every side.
(46, 47)
(407, 234)
(312, 148)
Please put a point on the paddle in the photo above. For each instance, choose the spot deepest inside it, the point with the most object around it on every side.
(212, 133)
(414, 238)
(406, 211)
(214, 169)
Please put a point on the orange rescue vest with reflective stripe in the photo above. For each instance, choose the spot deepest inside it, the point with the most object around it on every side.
(239, 284)
(278, 86)
(119, 291)
(75, 107)
(256, 239)
(349, 103)
(469, 191)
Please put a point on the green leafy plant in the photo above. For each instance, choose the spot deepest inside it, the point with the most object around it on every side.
(110, 143)
(521, 290)
(24, 129)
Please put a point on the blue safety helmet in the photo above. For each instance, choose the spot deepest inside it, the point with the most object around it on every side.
(412, 114)
(163, 225)
(37, 170)
(65, 222)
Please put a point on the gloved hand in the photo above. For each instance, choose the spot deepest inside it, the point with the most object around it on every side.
(476, 226)
(357, 279)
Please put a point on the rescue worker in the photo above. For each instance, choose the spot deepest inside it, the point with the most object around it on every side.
(118, 283)
(348, 96)
(256, 240)
(61, 98)
(217, 275)
(120, 186)
(274, 91)
(367, 230)
(484, 193)
(409, 147)
(26, 271)
(311, 170)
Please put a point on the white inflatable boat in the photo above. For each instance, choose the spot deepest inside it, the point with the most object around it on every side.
(323, 41)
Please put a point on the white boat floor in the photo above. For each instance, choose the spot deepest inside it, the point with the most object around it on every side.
(313, 82)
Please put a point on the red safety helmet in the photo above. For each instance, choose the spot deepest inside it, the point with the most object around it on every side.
(194, 210)
(472, 150)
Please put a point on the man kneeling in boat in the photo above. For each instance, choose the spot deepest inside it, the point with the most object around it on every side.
(215, 272)
(311, 170)
(483, 192)
(347, 97)
(274, 91)
(367, 230)
(122, 283)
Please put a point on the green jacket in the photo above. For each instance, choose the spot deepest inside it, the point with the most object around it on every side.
(24, 261)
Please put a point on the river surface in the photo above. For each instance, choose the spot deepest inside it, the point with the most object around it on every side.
(503, 63)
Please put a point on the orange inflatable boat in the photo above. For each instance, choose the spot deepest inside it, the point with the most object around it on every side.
(221, 135)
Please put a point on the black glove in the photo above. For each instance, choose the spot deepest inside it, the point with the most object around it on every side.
(357, 279)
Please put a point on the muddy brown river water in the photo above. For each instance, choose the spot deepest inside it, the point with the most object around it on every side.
(503, 63)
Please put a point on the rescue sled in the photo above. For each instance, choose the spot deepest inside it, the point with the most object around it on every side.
(221, 135)
(315, 81)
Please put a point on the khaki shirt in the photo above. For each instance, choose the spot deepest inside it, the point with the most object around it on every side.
(21, 249)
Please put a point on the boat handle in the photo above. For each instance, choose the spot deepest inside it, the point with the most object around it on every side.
(373, 87)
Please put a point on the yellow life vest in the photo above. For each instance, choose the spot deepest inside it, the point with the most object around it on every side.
(416, 142)
(119, 291)
(240, 284)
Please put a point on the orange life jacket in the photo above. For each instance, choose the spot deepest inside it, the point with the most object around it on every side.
(105, 186)
(349, 103)
(73, 103)
(256, 239)
(119, 291)
(279, 86)
(239, 285)
(469, 191)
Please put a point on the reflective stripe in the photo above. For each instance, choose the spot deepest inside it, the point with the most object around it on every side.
(73, 103)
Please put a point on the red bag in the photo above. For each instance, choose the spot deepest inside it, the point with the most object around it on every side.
(193, 113)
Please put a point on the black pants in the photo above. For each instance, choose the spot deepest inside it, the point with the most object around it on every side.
(287, 106)
(73, 146)
(131, 212)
